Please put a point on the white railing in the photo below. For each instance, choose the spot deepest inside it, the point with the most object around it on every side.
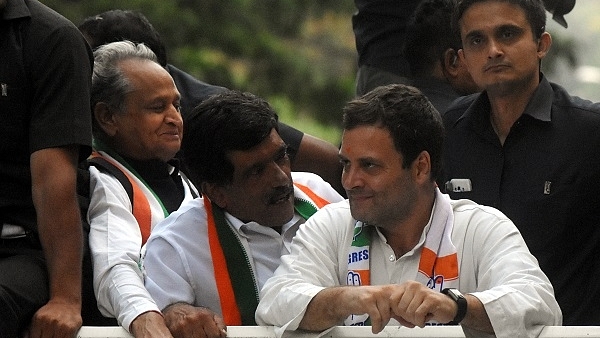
(355, 332)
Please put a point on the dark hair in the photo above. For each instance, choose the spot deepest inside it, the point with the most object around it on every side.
(534, 12)
(429, 35)
(118, 25)
(224, 122)
(414, 124)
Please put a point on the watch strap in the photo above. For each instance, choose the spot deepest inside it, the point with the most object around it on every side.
(461, 302)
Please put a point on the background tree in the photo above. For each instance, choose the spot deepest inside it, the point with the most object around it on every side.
(298, 54)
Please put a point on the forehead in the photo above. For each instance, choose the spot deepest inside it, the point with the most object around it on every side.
(367, 142)
(147, 75)
(492, 14)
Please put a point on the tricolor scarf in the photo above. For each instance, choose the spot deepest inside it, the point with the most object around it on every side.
(239, 296)
(438, 264)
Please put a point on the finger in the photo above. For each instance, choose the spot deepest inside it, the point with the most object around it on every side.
(220, 325)
(383, 307)
(404, 322)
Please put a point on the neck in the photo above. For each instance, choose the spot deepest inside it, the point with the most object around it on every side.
(405, 235)
(508, 102)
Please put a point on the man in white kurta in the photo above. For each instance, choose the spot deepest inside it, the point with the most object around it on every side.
(494, 263)
(179, 267)
(138, 128)
(116, 244)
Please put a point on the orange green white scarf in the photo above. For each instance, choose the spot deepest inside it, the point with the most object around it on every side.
(239, 296)
(438, 264)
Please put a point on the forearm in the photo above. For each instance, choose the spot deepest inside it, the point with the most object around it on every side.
(476, 317)
(149, 324)
(324, 310)
(62, 245)
(59, 222)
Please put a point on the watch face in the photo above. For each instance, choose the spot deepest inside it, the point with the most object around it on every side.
(455, 294)
(460, 300)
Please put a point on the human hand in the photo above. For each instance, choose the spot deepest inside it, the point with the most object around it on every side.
(187, 321)
(372, 300)
(414, 304)
(150, 324)
(55, 319)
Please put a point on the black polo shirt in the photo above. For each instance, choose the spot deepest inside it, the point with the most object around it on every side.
(45, 76)
(545, 178)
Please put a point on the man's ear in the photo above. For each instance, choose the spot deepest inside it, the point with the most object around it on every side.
(544, 43)
(105, 118)
(422, 167)
(451, 62)
(215, 193)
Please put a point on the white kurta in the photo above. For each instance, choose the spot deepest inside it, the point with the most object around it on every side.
(115, 244)
(494, 265)
(178, 260)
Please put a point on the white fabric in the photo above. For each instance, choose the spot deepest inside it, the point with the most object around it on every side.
(115, 241)
(494, 265)
(178, 262)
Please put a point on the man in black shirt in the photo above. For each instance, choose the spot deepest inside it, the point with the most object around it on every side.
(528, 148)
(45, 72)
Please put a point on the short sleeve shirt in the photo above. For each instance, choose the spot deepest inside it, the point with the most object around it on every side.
(45, 76)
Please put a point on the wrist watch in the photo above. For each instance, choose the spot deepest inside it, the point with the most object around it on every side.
(461, 301)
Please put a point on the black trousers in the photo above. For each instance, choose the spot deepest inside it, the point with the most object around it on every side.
(23, 284)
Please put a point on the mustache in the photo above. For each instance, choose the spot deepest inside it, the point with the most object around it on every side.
(494, 63)
(280, 193)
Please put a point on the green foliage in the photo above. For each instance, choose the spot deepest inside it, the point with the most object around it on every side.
(298, 53)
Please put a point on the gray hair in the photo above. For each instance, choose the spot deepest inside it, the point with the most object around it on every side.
(109, 84)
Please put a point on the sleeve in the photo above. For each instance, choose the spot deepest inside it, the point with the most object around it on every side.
(292, 137)
(517, 295)
(61, 96)
(166, 269)
(115, 242)
(318, 185)
(312, 265)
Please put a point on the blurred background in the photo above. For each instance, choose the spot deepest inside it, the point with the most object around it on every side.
(300, 54)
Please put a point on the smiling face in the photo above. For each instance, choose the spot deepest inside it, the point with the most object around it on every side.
(151, 127)
(261, 189)
(380, 191)
(499, 47)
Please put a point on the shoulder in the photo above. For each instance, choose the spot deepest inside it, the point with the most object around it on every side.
(46, 20)
(338, 211)
(317, 185)
(564, 101)
(190, 215)
(472, 217)
(333, 221)
(470, 208)
(307, 179)
(458, 107)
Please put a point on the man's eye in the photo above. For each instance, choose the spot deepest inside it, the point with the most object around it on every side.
(475, 41)
(369, 165)
(157, 108)
(508, 34)
(282, 157)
